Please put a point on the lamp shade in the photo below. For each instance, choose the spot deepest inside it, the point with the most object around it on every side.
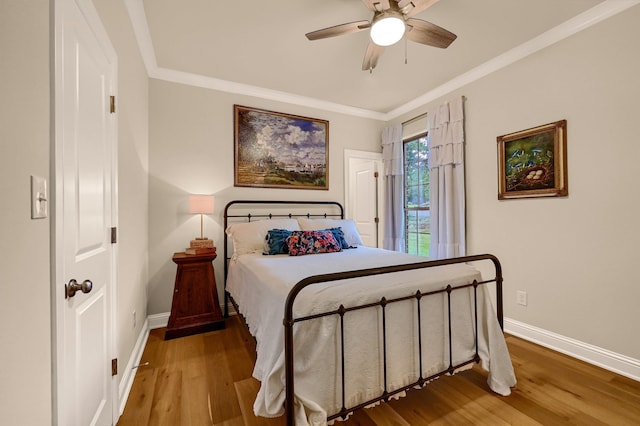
(201, 204)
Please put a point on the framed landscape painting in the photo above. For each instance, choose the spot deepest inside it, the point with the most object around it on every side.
(533, 162)
(277, 150)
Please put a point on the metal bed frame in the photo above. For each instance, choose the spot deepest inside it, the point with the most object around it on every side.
(289, 320)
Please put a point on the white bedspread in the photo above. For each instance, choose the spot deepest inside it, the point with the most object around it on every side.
(260, 284)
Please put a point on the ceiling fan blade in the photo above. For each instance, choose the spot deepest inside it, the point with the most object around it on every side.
(351, 27)
(427, 33)
(413, 7)
(376, 5)
(371, 56)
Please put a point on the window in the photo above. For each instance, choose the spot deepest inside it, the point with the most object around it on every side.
(417, 216)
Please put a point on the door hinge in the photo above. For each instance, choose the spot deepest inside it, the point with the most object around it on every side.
(376, 219)
(114, 235)
(114, 367)
(375, 174)
(112, 104)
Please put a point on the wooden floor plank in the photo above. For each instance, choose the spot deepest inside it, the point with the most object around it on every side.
(196, 409)
(246, 391)
(141, 397)
(385, 415)
(196, 392)
(166, 406)
(239, 352)
(426, 406)
(480, 407)
(236, 421)
(205, 379)
(521, 400)
(626, 390)
(360, 418)
(581, 386)
(224, 404)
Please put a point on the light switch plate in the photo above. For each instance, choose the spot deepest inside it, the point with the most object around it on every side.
(39, 198)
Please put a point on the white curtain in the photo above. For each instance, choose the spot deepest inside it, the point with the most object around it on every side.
(392, 154)
(446, 164)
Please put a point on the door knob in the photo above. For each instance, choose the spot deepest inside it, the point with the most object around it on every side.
(73, 286)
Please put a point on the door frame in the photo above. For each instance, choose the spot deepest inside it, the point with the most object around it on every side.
(352, 154)
(92, 17)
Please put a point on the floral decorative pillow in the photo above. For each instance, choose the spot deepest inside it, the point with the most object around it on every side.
(348, 226)
(276, 242)
(312, 242)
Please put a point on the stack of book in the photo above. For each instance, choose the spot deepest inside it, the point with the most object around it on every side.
(200, 246)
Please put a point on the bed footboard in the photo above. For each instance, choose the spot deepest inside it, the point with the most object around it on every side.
(290, 320)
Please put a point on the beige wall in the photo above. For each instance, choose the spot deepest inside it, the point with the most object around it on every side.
(25, 311)
(191, 151)
(25, 288)
(133, 161)
(576, 257)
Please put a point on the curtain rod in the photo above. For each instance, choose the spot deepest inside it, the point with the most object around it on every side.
(464, 98)
(414, 118)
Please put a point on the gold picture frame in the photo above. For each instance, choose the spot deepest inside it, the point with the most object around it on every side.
(278, 150)
(533, 162)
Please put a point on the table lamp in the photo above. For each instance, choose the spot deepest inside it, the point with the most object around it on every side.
(201, 204)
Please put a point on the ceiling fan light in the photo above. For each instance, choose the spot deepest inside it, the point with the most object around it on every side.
(387, 30)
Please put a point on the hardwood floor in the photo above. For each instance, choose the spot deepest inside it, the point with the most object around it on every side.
(205, 379)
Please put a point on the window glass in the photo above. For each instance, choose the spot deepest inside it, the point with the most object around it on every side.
(416, 185)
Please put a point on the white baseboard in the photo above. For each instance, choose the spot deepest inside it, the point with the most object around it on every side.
(621, 364)
(158, 320)
(129, 373)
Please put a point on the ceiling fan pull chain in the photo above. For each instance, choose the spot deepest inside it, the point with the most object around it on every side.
(405, 51)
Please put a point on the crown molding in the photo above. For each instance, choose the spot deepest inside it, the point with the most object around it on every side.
(259, 92)
(138, 18)
(586, 19)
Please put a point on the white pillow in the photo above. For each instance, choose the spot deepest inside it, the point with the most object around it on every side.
(248, 237)
(348, 226)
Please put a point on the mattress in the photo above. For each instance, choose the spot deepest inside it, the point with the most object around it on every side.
(259, 284)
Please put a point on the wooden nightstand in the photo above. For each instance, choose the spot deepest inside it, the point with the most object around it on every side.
(195, 307)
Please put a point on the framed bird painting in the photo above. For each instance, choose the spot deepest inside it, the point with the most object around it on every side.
(533, 162)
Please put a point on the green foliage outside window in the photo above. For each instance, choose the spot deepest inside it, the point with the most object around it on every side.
(416, 200)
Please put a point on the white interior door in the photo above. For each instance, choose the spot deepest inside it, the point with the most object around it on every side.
(363, 194)
(84, 214)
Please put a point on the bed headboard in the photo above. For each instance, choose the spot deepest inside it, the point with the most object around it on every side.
(247, 210)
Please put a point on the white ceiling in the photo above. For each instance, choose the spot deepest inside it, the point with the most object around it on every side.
(259, 47)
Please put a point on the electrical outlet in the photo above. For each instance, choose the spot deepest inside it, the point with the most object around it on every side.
(521, 298)
(134, 319)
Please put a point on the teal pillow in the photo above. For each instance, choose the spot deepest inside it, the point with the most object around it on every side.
(338, 234)
(275, 242)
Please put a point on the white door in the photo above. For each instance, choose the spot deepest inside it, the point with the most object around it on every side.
(363, 182)
(84, 214)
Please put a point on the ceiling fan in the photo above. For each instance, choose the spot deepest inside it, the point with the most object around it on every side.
(392, 19)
